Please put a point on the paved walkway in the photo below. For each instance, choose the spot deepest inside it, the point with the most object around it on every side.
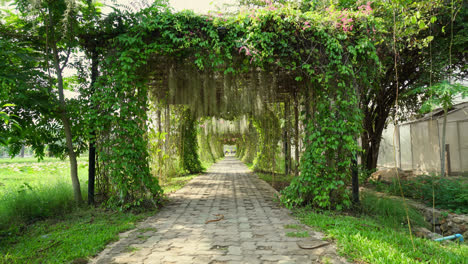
(252, 227)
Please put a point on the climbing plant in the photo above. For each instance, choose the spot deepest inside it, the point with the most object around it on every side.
(188, 149)
(206, 150)
(247, 147)
(267, 126)
(248, 54)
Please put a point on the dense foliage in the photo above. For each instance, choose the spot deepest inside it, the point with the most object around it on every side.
(334, 60)
(189, 147)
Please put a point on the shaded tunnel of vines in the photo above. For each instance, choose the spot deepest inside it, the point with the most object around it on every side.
(280, 84)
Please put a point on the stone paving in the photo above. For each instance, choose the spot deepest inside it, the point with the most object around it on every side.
(252, 226)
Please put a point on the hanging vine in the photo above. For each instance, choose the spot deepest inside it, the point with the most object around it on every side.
(188, 150)
(247, 55)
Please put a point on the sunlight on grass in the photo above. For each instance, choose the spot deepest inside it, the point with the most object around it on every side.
(40, 222)
(16, 172)
(78, 235)
(366, 239)
(176, 183)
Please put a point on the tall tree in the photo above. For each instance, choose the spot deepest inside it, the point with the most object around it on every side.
(54, 26)
(416, 67)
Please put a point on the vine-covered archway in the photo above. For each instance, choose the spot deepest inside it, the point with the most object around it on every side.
(248, 66)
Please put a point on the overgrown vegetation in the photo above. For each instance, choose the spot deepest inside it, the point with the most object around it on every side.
(380, 235)
(377, 233)
(332, 59)
(32, 191)
(446, 192)
(189, 148)
(65, 238)
(41, 223)
(390, 212)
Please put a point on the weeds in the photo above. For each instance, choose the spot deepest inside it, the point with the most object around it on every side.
(380, 235)
(450, 193)
(390, 211)
(292, 227)
(297, 234)
(28, 204)
(41, 223)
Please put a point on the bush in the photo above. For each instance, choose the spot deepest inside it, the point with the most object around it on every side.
(450, 193)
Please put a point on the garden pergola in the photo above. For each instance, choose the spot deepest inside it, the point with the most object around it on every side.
(229, 66)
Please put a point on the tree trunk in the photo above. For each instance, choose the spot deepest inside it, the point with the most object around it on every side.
(371, 151)
(442, 146)
(64, 117)
(91, 170)
(22, 151)
(371, 138)
(167, 126)
(308, 116)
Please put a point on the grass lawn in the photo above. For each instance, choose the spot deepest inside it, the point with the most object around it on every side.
(39, 222)
(15, 172)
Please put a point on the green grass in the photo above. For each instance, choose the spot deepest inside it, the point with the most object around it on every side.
(77, 235)
(35, 160)
(378, 234)
(277, 181)
(175, 183)
(371, 239)
(292, 226)
(40, 223)
(297, 234)
(390, 211)
(14, 173)
(450, 193)
(25, 205)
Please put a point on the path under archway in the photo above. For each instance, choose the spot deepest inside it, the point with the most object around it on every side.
(252, 228)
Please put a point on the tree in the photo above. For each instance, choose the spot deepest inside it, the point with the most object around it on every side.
(53, 26)
(418, 24)
(24, 84)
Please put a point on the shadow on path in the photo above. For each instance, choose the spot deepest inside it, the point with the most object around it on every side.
(252, 228)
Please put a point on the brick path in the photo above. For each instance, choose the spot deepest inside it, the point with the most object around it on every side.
(253, 229)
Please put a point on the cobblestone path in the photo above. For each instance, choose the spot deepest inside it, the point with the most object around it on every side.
(252, 226)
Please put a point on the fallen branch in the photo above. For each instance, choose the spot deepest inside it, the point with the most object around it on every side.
(220, 217)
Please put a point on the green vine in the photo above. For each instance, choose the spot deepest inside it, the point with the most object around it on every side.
(316, 49)
(189, 148)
